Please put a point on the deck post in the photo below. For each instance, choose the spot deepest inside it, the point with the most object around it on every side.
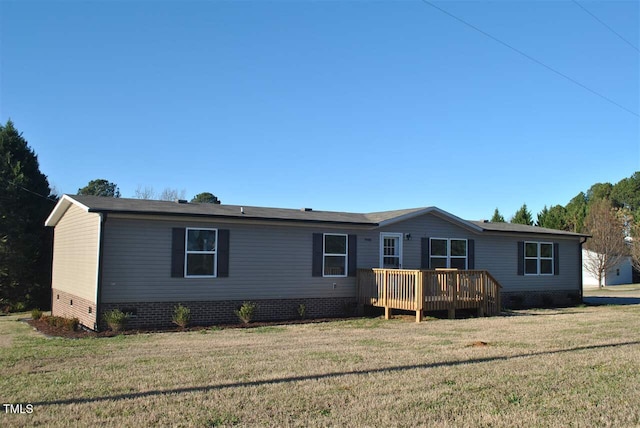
(384, 289)
(387, 313)
(453, 287)
(485, 294)
(419, 296)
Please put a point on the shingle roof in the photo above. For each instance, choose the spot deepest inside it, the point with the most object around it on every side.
(141, 206)
(152, 207)
(521, 228)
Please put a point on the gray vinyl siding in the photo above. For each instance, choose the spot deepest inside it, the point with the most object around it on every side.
(75, 253)
(275, 261)
(265, 262)
(494, 252)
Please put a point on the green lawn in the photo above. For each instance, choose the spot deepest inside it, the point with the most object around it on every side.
(556, 367)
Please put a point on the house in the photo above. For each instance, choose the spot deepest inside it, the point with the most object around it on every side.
(620, 274)
(145, 257)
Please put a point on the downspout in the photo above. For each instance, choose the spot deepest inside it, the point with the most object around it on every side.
(103, 220)
(581, 278)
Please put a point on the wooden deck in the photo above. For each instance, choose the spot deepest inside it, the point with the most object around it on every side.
(429, 290)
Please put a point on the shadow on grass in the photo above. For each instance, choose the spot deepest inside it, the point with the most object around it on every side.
(391, 369)
(601, 300)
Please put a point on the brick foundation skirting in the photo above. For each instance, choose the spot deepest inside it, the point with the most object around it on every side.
(540, 299)
(71, 306)
(159, 314)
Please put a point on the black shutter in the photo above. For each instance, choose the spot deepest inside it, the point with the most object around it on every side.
(556, 259)
(353, 255)
(520, 257)
(471, 254)
(424, 253)
(177, 252)
(317, 251)
(223, 253)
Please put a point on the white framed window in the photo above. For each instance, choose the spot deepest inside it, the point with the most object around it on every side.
(334, 255)
(448, 253)
(200, 258)
(538, 258)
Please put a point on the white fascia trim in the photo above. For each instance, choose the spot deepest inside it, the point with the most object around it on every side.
(61, 207)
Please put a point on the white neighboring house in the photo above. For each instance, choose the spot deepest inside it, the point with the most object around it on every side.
(621, 274)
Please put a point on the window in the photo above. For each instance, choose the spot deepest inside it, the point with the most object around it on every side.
(201, 252)
(334, 255)
(538, 258)
(448, 253)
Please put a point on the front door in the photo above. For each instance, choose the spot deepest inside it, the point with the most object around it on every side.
(391, 250)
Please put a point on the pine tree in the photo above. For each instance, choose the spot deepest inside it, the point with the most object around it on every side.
(100, 187)
(552, 218)
(522, 216)
(497, 217)
(25, 243)
(206, 198)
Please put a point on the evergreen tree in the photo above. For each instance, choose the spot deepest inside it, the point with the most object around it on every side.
(25, 243)
(626, 194)
(522, 216)
(497, 217)
(599, 191)
(576, 212)
(542, 217)
(206, 198)
(100, 187)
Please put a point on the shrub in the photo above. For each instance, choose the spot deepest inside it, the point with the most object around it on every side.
(70, 324)
(36, 314)
(19, 307)
(246, 312)
(181, 315)
(116, 319)
(302, 310)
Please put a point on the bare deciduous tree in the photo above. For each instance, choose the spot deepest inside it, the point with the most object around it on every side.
(145, 192)
(606, 245)
(169, 194)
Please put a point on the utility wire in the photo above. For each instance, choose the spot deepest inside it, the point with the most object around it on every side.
(610, 29)
(529, 57)
(27, 190)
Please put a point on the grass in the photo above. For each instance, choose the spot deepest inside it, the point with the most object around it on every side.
(631, 289)
(538, 368)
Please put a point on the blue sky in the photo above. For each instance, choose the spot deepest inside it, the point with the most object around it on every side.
(337, 105)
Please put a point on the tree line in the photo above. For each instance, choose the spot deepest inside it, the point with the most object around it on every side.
(609, 213)
(623, 196)
(105, 188)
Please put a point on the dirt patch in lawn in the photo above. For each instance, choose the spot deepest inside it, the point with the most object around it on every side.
(478, 344)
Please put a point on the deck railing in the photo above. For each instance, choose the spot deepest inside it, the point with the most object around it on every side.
(429, 290)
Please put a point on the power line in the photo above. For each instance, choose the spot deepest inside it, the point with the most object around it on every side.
(27, 190)
(610, 29)
(529, 57)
